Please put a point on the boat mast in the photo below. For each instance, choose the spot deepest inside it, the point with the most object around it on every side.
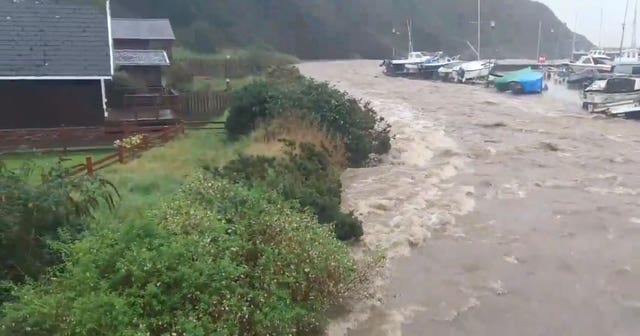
(601, 21)
(409, 27)
(634, 30)
(539, 38)
(624, 24)
(573, 43)
(478, 30)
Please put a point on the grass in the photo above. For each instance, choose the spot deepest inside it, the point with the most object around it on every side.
(159, 173)
(183, 54)
(267, 139)
(40, 159)
(219, 84)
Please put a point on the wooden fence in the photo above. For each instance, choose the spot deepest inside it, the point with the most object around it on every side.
(204, 105)
(123, 155)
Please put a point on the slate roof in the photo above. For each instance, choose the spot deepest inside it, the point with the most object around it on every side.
(142, 29)
(141, 57)
(43, 39)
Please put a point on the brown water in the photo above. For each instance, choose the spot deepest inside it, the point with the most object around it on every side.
(501, 214)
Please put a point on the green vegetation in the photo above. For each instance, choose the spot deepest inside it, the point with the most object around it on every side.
(146, 182)
(339, 29)
(194, 71)
(208, 239)
(305, 175)
(69, 159)
(35, 216)
(216, 260)
(336, 112)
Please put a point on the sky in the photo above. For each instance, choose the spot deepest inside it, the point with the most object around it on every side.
(588, 24)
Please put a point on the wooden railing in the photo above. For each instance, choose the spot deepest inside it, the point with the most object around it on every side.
(204, 105)
(146, 105)
(124, 155)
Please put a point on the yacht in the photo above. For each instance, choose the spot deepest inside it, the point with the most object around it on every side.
(628, 63)
(596, 59)
(474, 70)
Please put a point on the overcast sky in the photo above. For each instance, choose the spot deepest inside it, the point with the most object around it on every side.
(588, 12)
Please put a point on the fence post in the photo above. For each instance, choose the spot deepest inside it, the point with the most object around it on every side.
(89, 165)
(121, 154)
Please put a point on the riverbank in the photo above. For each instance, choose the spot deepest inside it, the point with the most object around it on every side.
(502, 214)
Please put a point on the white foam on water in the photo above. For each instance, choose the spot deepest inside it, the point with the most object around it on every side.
(404, 201)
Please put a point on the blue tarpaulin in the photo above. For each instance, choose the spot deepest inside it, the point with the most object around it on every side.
(524, 81)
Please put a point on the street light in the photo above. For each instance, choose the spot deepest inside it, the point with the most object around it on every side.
(491, 23)
(226, 67)
(395, 32)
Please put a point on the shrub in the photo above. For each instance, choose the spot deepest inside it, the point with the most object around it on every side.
(179, 77)
(35, 215)
(248, 106)
(300, 128)
(283, 75)
(306, 176)
(363, 131)
(224, 260)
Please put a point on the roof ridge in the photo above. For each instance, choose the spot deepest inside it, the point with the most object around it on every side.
(141, 19)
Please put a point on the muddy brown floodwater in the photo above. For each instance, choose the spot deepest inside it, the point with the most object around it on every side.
(500, 214)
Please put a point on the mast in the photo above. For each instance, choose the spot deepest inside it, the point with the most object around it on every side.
(601, 21)
(539, 38)
(624, 24)
(409, 27)
(573, 43)
(478, 30)
(634, 30)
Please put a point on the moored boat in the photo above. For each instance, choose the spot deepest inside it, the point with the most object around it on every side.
(611, 91)
(601, 63)
(446, 71)
(471, 71)
(522, 81)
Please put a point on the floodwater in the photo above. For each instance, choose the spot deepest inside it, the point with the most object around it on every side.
(500, 214)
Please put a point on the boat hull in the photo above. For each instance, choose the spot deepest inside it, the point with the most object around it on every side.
(599, 68)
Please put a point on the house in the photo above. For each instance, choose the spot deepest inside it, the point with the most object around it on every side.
(143, 34)
(143, 48)
(54, 60)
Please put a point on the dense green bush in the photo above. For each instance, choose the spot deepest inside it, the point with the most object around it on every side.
(35, 215)
(249, 105)
(305, 175)
(365, 133)
(224, 260)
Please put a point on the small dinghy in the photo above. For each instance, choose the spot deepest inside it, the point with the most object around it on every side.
(521, 81)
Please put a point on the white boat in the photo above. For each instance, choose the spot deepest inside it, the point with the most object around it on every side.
(474, 70)
(601, 63)
(417, 57)
(626, 111)
(611, 91)
(628, 63)
(411, 63)
(446, 71)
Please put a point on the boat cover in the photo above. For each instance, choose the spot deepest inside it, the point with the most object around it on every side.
(531, 81)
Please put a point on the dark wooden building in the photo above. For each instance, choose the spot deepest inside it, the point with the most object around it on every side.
(54, 60)
(147, 66)
(143, 34)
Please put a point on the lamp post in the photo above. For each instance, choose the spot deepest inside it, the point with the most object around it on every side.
(491, 23)
(395, 33)
(226, 67)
